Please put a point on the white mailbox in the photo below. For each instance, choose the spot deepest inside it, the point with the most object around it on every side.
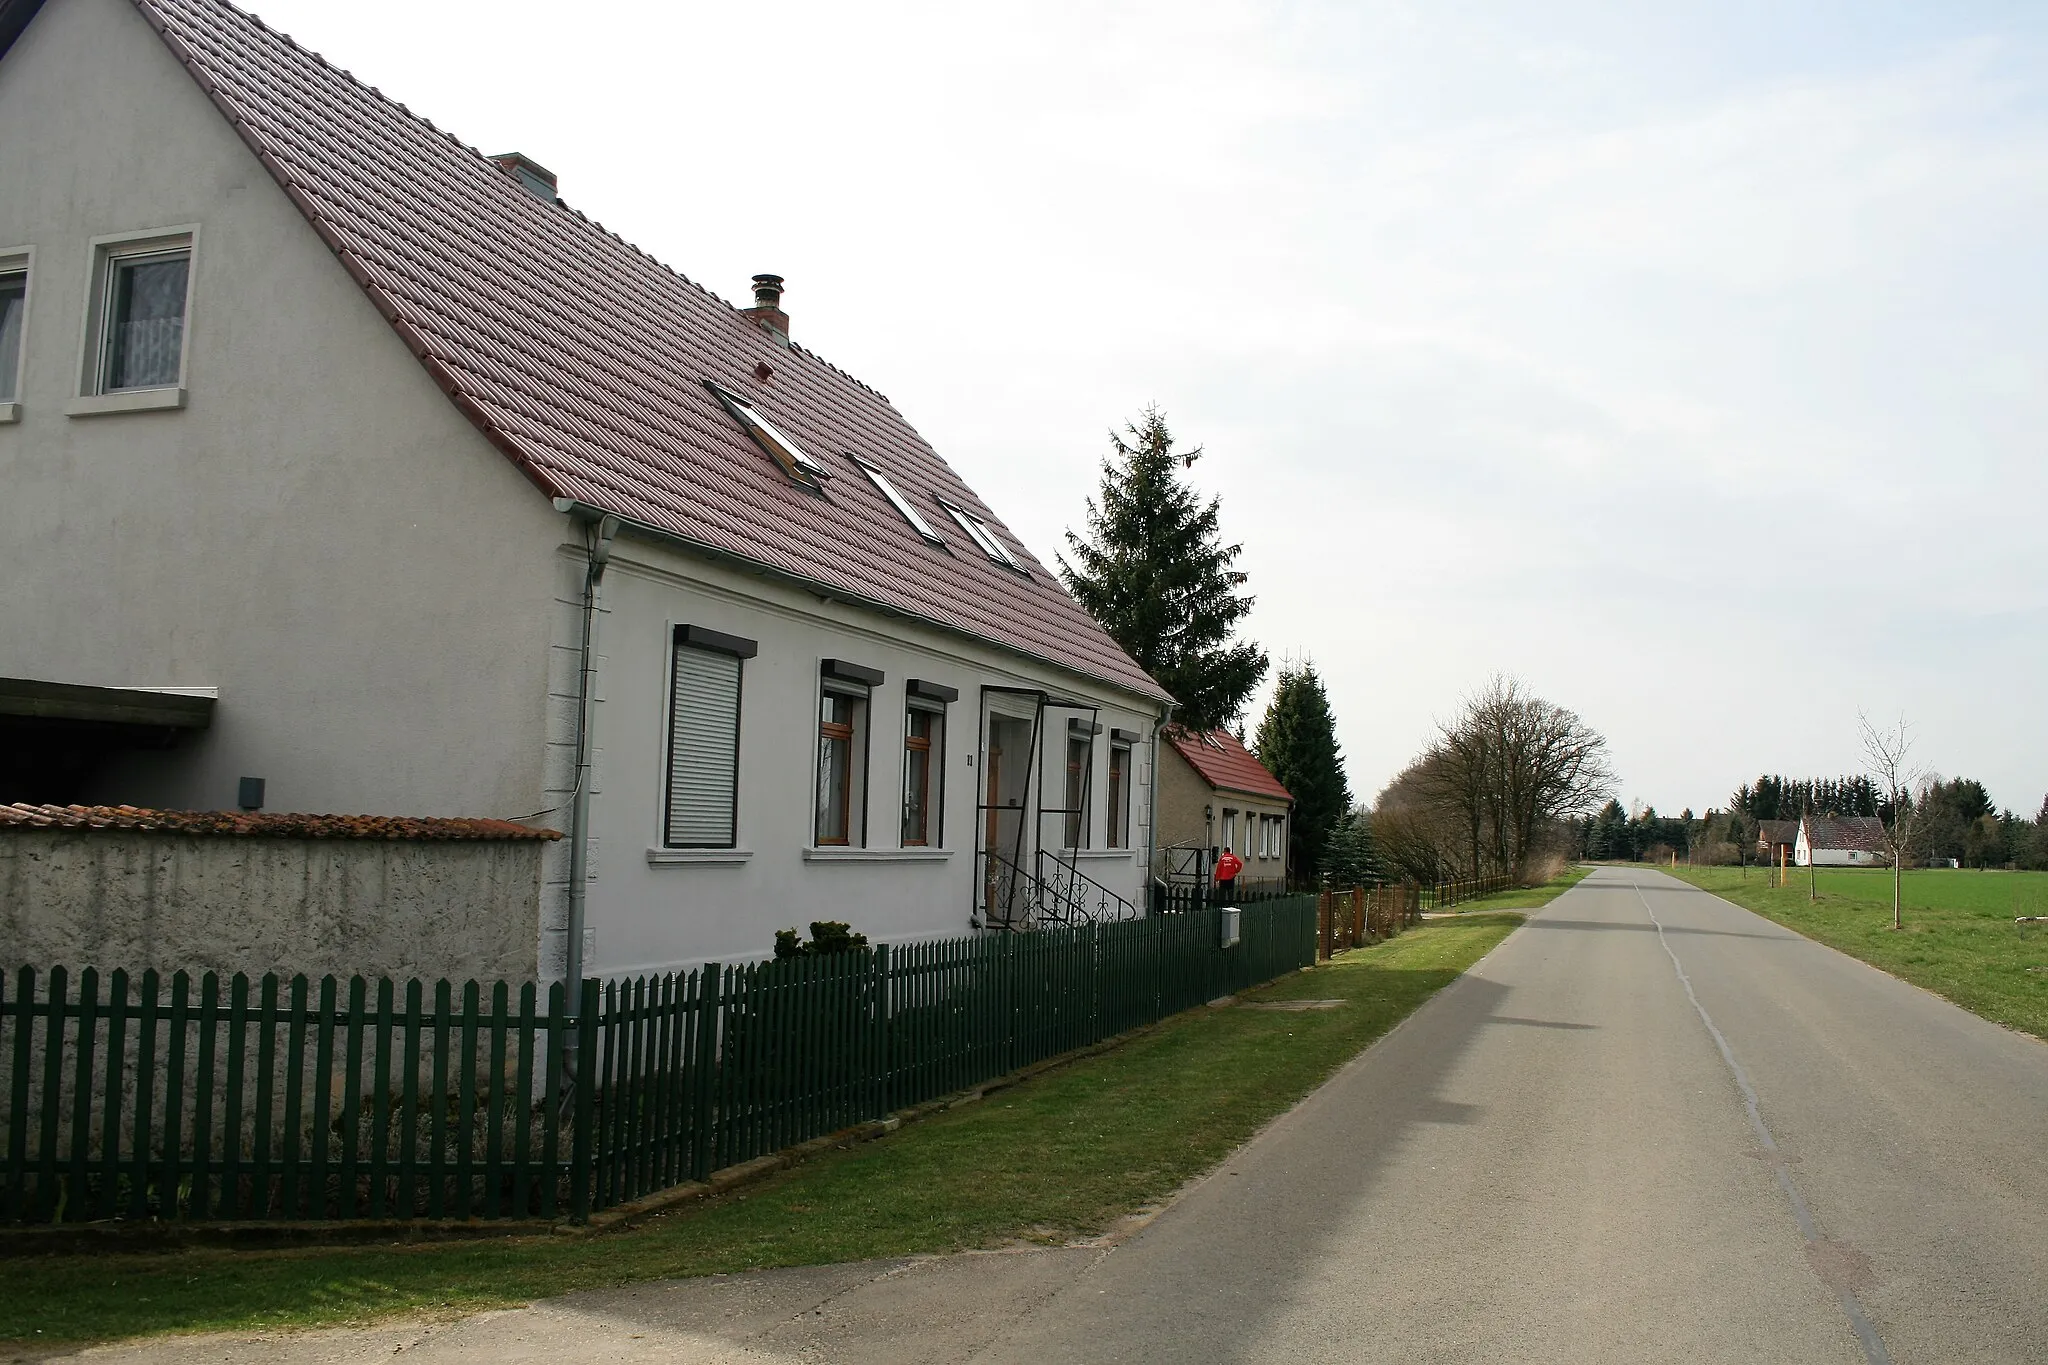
(1229, 914)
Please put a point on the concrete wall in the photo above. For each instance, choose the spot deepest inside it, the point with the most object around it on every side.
(652, 909)
(318, 533)
(458, 909)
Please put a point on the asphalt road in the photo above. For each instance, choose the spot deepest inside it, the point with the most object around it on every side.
(1651, 1126)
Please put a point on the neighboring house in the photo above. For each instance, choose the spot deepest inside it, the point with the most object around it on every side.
(334, 451)
(1776, 837)
(1215, 794)
(1841, 841)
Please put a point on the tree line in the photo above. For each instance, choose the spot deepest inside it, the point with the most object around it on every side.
(1954, 819)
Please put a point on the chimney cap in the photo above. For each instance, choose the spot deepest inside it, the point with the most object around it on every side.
(535, 178)
(767, 291)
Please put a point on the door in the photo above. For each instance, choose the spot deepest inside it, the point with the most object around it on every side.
(1006, 780)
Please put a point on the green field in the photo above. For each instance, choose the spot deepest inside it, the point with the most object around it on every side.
(1062, 1155)
(1959, 939)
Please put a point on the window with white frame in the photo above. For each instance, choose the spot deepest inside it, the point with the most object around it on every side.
(924, 762)
(1230, 829)
(142, 290)
(702, 803)
(13, 324)
(887, 488)
(841, 807)
(794, 459)
(984, 536)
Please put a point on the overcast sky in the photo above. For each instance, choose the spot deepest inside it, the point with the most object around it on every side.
(1689, 361)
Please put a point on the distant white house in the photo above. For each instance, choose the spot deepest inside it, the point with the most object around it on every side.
(1841, 841)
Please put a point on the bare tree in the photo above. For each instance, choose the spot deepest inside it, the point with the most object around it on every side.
(1886, 757)
(1485, 797)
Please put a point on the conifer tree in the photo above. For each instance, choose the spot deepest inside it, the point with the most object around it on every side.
(1352, 858)
(1297, 741)
(1152, 569)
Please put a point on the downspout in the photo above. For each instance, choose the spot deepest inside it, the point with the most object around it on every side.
(598, 550)
(1152, 807)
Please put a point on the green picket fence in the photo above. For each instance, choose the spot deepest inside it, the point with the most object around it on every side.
(132, 1097)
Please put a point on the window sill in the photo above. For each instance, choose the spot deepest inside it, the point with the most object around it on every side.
(128, 400)
(877, 855)
(678, 857)
(1084, 855)
(10, 412)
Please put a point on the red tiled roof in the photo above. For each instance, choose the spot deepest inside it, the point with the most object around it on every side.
(260, 823)
(583, 359)
(1224, 763)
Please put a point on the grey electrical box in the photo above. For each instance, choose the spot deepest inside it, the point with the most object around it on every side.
(1230, 914)
(250, 795)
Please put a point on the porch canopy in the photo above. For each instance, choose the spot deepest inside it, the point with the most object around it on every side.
(54, 735)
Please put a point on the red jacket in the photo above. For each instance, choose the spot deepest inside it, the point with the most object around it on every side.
(1228, 866)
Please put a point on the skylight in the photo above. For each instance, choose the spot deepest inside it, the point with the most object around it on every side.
(794, 459)
(897, 500)
(978, 531)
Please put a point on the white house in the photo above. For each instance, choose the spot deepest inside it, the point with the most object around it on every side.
(341, 456)
(1841, 841)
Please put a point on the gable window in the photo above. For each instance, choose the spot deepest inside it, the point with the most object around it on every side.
(897, 500)
(794, 459)
(841, 817)
(1119, 808)
(704, 738)
(13, 322)
(924, 762)
(984, 536)
(142, 290)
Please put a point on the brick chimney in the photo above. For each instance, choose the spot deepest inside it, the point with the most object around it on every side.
(767, 310)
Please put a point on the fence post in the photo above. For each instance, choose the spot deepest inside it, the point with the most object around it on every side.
(581, 1170)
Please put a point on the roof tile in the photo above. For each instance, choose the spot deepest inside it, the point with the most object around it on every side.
(265, 824)
(1224, 763)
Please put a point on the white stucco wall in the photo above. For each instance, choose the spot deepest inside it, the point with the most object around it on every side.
(647, 914)
(319, 533)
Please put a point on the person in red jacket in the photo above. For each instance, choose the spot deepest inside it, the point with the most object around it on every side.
(1227, 868)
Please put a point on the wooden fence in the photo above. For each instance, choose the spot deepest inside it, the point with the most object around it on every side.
(1362, 915)
(130, 1098)
(1444, 894)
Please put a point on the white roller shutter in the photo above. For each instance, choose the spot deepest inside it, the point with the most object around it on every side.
(703, 749)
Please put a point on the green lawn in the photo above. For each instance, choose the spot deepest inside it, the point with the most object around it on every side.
(1522, 898)
(1959, 938)
(1060, 1156)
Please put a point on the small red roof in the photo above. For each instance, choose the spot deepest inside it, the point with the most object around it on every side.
(1224, 763)
(264, 824)
(586, 361)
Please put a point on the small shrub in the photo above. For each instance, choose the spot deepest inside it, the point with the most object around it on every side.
(827, 936)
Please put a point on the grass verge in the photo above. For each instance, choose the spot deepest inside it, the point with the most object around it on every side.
(1063, 1155)
(1959, 939)
(1522, 897)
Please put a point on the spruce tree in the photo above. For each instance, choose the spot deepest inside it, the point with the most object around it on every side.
(1297, 742)
(1352, 858)
(1152, 569)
